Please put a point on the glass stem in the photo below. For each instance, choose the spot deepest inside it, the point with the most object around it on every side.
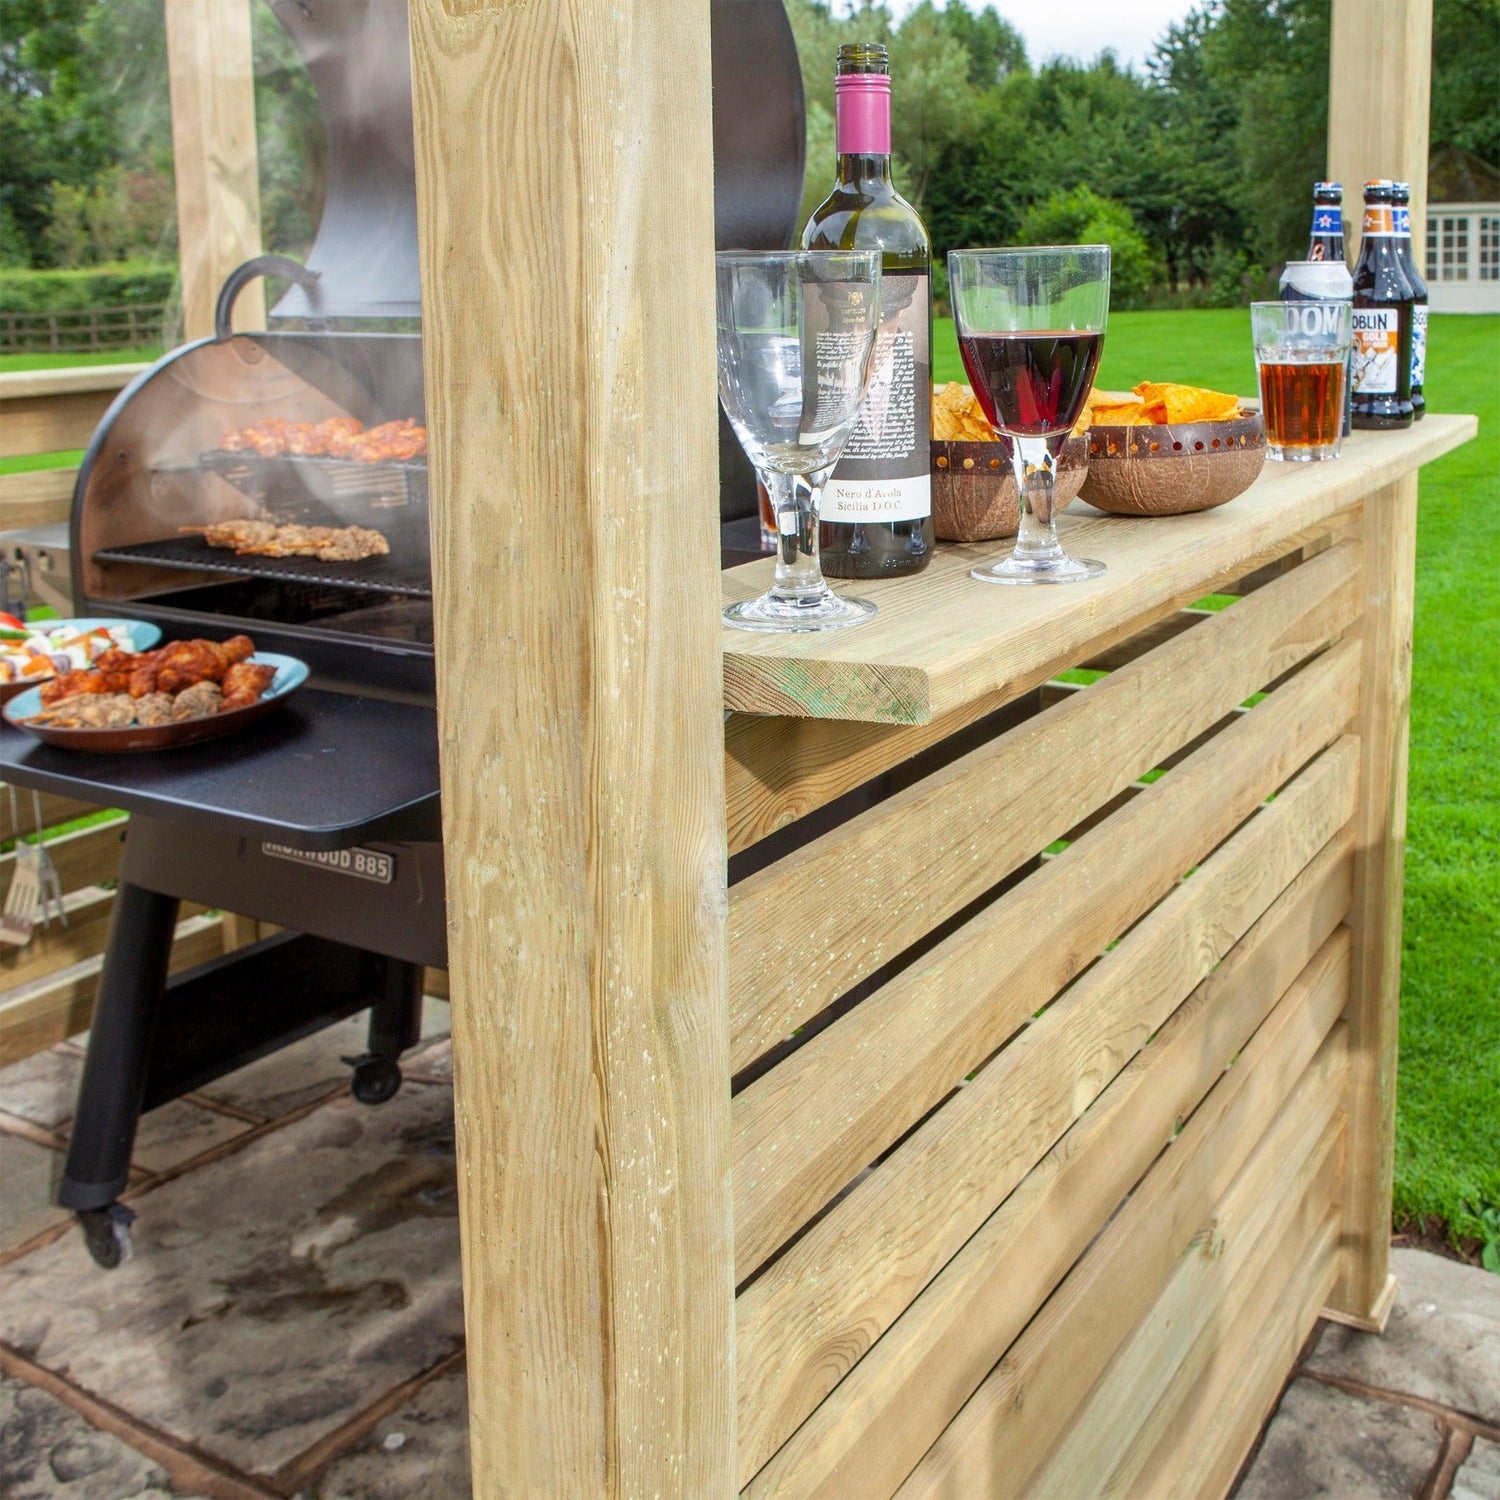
(795, 503)
(1035, 462)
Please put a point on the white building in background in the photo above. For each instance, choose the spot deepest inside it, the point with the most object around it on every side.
(1462, 265)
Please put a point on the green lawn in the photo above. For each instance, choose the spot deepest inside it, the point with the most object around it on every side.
(9, 362)
(1448, 1103)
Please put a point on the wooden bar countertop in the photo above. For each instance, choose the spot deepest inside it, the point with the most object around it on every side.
(942, 640)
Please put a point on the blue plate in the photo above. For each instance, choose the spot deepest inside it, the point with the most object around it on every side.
(143, 637)
(290, 675)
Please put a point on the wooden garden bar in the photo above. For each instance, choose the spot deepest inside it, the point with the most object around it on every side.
(1060, 1016)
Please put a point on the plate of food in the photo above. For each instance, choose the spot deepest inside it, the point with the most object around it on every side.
(1165, 449)
(31, 654)
(178, 694)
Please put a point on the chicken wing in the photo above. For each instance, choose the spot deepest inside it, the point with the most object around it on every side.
(245, 683)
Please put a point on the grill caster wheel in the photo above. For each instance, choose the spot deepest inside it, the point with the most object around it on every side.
(106, 1233)
(375, 1080)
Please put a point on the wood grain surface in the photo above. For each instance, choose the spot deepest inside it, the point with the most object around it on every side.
(805, 1128)
(951, 837)
(820, 1305)
(1291, 1074)
(884, 1414)
(214, 158)
(570, 370)
(941, 640)
(1390, 539)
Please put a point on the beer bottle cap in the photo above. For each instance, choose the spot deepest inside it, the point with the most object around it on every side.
(1401, 190)
(1324, 188)
(1378, 188)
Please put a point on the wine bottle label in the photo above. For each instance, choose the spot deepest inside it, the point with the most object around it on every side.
(1376, 344)
(1379, 219)
(1418, 343)
(886, 471)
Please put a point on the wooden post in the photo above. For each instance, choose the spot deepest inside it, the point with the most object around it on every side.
(565, 186)
(1379, 87)
(1366, 1290)
(213, 156)
(1379, 91)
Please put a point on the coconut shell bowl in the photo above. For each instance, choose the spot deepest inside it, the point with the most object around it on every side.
(1175, 469)
(974, 495)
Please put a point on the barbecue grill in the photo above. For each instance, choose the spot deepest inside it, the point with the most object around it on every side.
(324, 818)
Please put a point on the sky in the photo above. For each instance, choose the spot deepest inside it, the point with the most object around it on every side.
(1084, 28)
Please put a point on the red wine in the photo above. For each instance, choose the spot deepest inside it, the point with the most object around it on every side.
(1031, 384)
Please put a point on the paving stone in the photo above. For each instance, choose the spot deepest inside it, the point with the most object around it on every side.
(1442, 1341)
(42, 1088)
(48, 1452)
(420, 1449)
(1324, 1441)
(311, 1068)
(274, 1293)
(179, 1131)
(28, 1180)
(1478, 1476)
(432, 1060)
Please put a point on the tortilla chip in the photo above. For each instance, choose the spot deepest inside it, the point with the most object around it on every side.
(1188, 403)
(957, 416)
(1120, 414)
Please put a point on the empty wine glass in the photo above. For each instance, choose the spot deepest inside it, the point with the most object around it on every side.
(1031, 329)
(796, 329)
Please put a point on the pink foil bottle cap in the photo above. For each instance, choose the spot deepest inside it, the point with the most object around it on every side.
(862, 114)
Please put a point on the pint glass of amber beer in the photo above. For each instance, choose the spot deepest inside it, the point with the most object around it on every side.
(1300, 354)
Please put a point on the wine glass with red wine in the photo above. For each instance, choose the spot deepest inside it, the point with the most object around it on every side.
(796, 329)
(1031, 329)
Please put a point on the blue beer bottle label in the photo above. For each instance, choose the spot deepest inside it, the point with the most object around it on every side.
(1327, 220)
(1402, 216)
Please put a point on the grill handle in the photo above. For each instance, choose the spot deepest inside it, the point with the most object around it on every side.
(239, 278)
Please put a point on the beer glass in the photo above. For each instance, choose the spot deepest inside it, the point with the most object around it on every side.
(1321, 281)
(1301, 352)
(796, 330)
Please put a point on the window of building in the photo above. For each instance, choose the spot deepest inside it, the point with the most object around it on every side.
(1489, 247)
(1432, 248)
(1453, 247)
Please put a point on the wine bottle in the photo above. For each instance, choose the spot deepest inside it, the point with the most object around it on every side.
(877, 507)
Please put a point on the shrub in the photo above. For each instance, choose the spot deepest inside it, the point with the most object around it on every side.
(1083, 217)
(128, 284)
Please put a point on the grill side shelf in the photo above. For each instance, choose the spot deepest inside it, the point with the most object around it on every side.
(387, 575)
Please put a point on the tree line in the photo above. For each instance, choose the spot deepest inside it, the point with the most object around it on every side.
(1196, 167)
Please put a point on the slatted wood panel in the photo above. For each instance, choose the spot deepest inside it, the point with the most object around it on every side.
(42, 498)
(983, 1158)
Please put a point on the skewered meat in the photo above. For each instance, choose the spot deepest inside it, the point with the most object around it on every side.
(331, 437)
(245, 683)
(390, 442)
(267, 438)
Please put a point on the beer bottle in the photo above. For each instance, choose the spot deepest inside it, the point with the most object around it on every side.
(1401, 212)
(1382, 320)
(1327, 242)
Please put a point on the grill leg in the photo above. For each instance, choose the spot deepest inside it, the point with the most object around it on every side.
(131, 986)
(395, 1025)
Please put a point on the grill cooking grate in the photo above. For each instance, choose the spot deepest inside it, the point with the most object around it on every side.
(385, 575)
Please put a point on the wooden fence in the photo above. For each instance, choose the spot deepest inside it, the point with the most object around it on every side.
(85, 331)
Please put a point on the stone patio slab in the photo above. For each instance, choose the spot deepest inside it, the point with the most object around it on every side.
(1325, 1442)
(28, 1180)
(48, 1452)
(42, 1088)
(420, 1449)
(1478, 1476)
(274, 1294)
(1442, 1341)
